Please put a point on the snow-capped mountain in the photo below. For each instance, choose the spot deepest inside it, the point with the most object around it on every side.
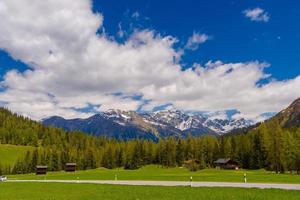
(178, 119)
(220, 122)
(223, 126)
(152, 125)
(223, 122)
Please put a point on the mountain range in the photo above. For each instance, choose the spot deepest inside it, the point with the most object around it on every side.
(161, 124)
(152, 125)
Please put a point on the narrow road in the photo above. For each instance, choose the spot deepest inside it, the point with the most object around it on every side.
(174, 183)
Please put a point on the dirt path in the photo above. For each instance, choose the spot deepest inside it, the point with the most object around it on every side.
(174, 183)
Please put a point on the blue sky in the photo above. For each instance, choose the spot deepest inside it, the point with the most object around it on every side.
(74, 58)
(235, 38)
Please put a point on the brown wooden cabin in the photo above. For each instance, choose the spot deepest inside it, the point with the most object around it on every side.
(41, 169)
(70, 167)
(226, 163)
(192, 164)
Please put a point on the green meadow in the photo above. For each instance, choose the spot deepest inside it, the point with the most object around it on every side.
(10, 153)
(9, 190)
(75, 191)
(155, 172)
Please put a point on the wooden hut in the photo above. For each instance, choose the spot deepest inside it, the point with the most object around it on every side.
(192, 164)
(70, 167)
(226, 163)
(41, 169)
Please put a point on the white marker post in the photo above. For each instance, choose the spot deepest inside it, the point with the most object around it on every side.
(245, 177)
(191, 180)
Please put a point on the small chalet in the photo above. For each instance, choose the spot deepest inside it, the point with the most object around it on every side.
(70, 167)
(226, 163)
(41, 169)
(192, 164)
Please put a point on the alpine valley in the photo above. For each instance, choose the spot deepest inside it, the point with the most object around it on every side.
(153, 125)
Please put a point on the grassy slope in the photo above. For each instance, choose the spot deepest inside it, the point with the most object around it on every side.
(91, 191)
(153, 172)
(10, 153)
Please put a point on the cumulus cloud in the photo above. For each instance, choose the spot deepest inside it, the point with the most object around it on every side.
(72, 67)
(195, 40)
(257, 14)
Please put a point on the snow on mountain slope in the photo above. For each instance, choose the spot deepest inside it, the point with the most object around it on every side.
(220, 122)
(154, 125)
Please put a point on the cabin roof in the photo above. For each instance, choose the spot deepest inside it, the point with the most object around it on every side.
(222, 160)
(70, 163)
(41, 166)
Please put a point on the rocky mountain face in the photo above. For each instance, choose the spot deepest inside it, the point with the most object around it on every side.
(102, 125)
(129, 124)
(290, 116)
(223, 126)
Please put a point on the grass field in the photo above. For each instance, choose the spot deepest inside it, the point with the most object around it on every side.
(10, 153)
(153, 172)
(90, 191)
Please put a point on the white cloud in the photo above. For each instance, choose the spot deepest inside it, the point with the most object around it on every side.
(195, 40)
(135, 15)
(257, 14)
(73, 67)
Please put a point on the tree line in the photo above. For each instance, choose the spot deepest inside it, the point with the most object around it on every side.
(268, 146)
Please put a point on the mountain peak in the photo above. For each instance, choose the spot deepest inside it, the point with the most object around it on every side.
(291, 115)
(296, 104)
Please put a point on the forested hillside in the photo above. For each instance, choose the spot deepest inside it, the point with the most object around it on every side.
(267, 146)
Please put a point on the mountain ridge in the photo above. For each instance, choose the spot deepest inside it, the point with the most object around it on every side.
(126, 125)
(152, 125)
(290, 116)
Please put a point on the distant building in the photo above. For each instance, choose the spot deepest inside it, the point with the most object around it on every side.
(70, 167)
(226, 163)
(41, 169)
(192, 164)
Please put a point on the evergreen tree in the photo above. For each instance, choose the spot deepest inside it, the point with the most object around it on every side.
(179, 153)
(34, 160)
